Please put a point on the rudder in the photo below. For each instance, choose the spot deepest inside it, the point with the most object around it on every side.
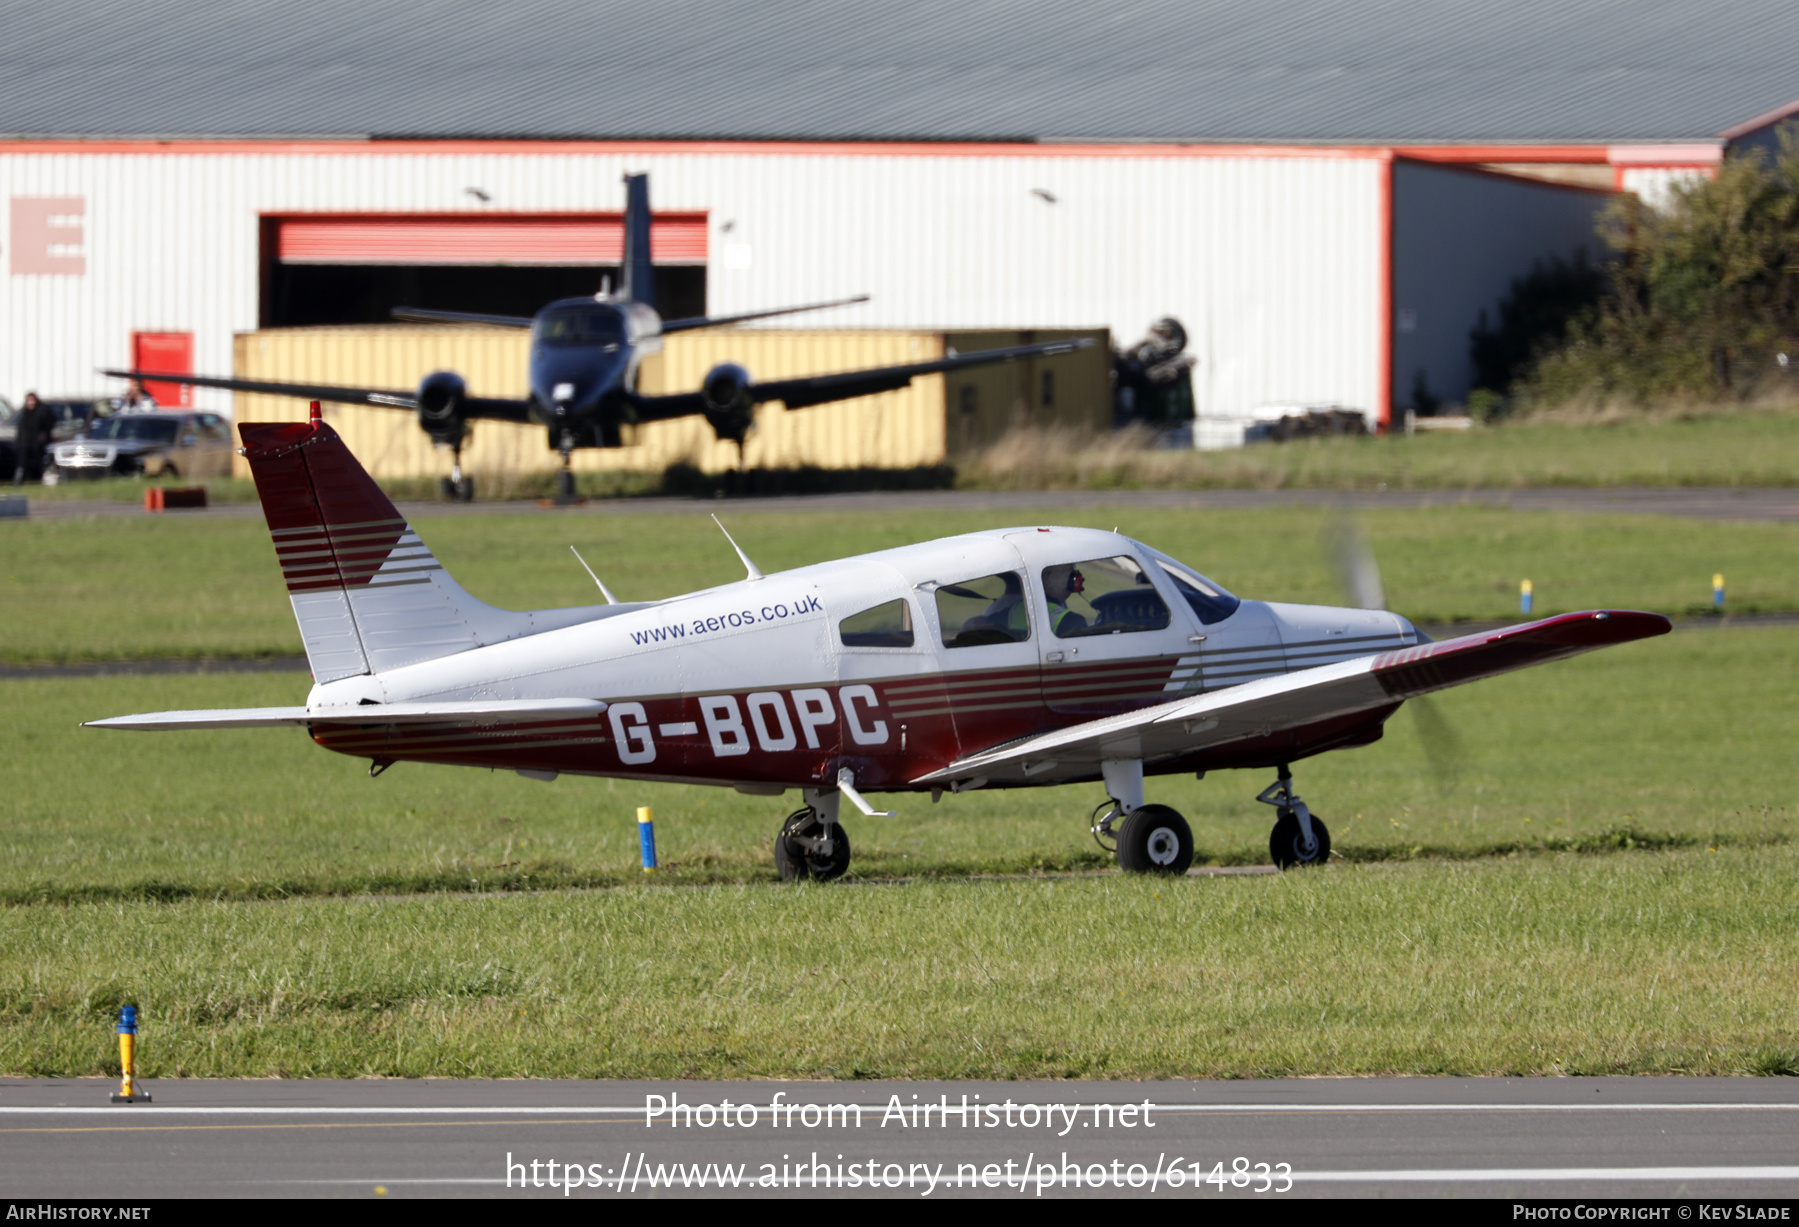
(367, 593)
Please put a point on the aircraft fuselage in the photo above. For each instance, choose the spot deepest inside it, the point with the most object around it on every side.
(806, 696)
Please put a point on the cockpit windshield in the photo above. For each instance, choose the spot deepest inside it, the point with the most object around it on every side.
(595, 324)
(1210, 602)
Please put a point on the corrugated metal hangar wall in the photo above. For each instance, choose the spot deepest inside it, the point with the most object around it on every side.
(1276, 260)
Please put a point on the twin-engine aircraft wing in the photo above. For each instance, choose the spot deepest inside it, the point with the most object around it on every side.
(715, 321)
(468, 406)
(812, 390)
(425, 315)
(1295, 700)
(457, 713)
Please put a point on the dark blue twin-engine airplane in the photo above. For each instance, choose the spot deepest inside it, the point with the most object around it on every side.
(585, 354)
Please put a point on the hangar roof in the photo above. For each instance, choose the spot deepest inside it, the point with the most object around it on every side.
(1270, 71)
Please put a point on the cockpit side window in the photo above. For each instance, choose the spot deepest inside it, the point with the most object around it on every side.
(981, 611)
(1102, 596)
(884, 626)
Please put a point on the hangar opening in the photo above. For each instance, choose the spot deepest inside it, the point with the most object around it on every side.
(355, 268)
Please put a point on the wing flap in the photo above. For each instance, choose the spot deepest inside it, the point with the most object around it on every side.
(478, 712)
(1305, 697)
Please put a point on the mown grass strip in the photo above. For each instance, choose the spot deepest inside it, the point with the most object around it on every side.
(1659, 963)
(163, 587)
(1677, 741)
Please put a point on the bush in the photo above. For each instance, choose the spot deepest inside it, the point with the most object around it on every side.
(1703, 295)
(1533, 321)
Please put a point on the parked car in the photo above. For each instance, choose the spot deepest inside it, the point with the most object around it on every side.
(159, 444)
(74, 416)
(8, 432)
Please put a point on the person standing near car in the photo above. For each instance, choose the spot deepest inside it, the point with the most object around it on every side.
(33, 427)
(136, 400)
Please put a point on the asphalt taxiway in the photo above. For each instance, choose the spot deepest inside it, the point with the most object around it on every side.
(1718, 1138)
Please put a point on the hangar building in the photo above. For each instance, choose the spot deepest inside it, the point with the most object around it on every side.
(1325, 195)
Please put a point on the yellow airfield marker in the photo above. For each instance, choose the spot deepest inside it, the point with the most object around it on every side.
(128, 1092)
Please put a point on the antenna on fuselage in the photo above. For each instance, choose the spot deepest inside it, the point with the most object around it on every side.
(755, 572)
(604, 590)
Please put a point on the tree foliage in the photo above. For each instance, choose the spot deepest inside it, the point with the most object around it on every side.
(1702, 299)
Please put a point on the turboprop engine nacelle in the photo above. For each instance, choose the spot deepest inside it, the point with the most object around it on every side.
(726, 396)
(441, 396)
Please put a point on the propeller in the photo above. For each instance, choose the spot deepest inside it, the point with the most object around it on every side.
(1347, 551)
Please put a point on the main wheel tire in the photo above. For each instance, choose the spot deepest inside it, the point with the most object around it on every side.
(798, 863)
(465, 490)
(447, 489)
(1285, 845)
(1155, 839)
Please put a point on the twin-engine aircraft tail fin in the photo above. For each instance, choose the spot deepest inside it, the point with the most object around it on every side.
(637, 281)
(368, 595)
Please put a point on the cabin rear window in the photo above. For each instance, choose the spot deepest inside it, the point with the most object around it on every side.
(884, 626)
(991, 609)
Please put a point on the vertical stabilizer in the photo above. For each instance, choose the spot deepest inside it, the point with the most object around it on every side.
(638, 280)
(367, 593)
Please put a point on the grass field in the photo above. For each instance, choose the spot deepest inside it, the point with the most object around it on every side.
(1678, 741)
(1702, 449)
(1697, 447)
(1650, 963)
(164, 586)
(1607, 886)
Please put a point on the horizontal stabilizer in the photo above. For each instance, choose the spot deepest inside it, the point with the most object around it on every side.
(484, 712)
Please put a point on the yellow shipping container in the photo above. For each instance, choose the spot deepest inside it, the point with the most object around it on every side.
(908, 428)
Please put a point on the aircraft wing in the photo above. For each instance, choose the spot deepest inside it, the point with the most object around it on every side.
(470, 407)
(477, 713)
(714, 321)
(811, 390)
(425, 315)
(1305, 697)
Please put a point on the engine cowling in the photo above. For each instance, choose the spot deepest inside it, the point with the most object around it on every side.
(440, 400)
(725, 393)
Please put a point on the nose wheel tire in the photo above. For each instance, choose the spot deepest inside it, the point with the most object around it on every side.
(458, 490)
(1155, 839)
(1286, 846)
(798, 856)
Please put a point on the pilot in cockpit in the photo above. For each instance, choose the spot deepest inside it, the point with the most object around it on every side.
(1059, 583)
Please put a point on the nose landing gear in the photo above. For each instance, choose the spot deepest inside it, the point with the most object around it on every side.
(456, 487)
(1298, 838)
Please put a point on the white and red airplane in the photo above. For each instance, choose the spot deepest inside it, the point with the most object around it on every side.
(1003, 659)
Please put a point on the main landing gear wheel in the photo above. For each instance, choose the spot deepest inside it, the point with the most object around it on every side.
(1155, 839)
(459, 490)
(1286, 844)
(802, 852)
